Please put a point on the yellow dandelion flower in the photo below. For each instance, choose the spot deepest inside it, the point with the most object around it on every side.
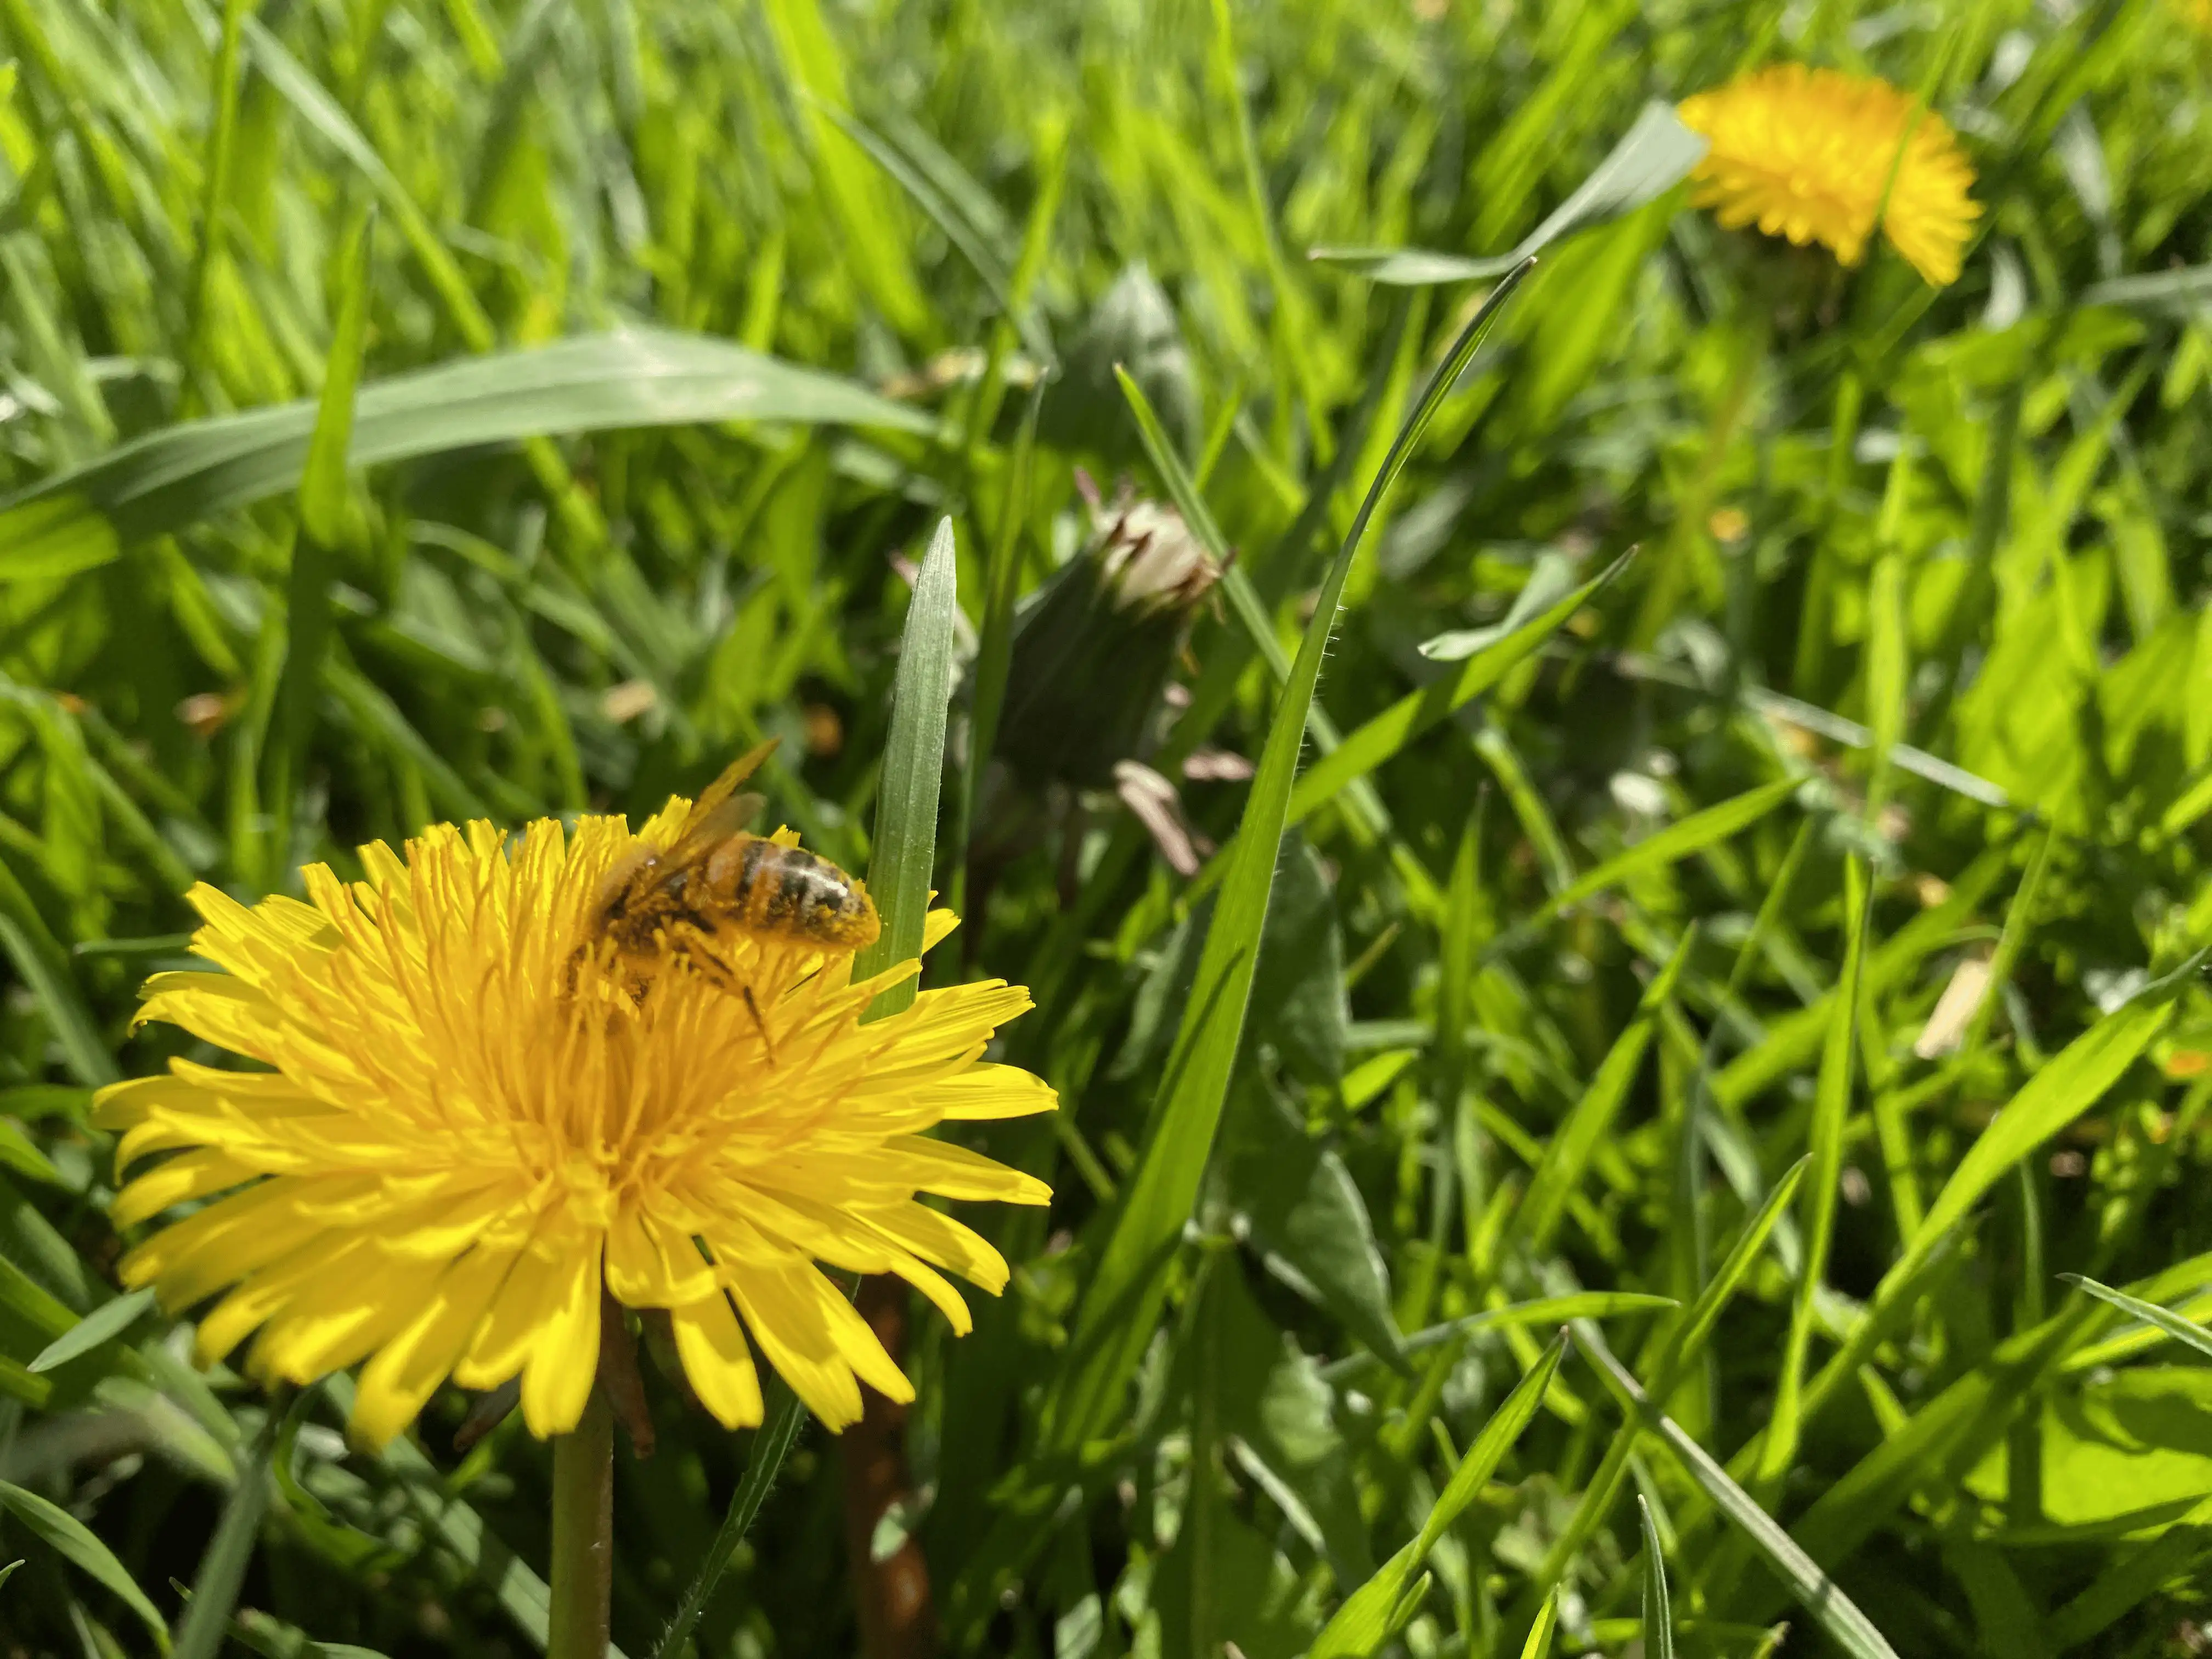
(462, 1137)
(1807, 154)
(2197, 14)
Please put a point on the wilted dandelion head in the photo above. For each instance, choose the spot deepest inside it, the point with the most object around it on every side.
(460, 1137)
(1810, 154)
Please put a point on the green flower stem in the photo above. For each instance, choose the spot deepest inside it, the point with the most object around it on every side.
(583, 1536)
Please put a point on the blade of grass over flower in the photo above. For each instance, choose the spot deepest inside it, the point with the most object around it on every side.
(223, 1565)
(1361, 1624)
(902, 854)
(1114, 1321)
(74, 1542)
(1653, 156)
(180, 475)
(772, 1442)
(1379, 739)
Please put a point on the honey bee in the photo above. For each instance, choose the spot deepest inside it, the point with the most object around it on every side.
(716, 880)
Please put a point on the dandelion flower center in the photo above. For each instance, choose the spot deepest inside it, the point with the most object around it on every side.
(464, 1136)
(1809, 153)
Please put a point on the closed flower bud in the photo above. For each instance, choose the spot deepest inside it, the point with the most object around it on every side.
(1092, 653)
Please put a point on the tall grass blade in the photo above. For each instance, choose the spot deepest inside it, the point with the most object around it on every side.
(1118, 1311)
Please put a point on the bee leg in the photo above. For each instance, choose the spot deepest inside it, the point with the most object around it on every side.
(767, 1040)
(722, 979)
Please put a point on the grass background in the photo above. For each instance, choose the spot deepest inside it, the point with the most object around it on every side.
(1599, 962)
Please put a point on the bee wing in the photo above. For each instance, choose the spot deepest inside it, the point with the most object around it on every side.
(704, 832)
(716, 795)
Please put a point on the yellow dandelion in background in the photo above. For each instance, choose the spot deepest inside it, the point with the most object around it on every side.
(464, 1135)
(1809, 154)
(2197, 14)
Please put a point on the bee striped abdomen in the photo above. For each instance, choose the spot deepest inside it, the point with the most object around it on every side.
(788, 891)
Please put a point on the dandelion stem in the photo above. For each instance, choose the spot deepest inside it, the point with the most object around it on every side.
(583, 1534)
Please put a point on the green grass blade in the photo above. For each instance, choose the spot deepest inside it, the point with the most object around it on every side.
(902, 855)
(1678, 842)
(1552, 1311)
(38, 957)
(1362, 1623)
(1568, 1154)
(1652, 157)
(779, 1431)
(1364, 750)
(180, 475)
(1658, 1608)
(69, 1538)
(2074, 1081)
(2173, 1324)
(223, 1565)
(1687, 1344)
(1118, 1311)
(1836, 1612)
(1832, 1103)
(107, 1320)
(1539, 1644)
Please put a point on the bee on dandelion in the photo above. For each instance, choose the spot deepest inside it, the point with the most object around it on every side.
(472, 1130)
(1816, 156)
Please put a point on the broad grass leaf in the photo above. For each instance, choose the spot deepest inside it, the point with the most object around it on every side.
(1363, 1622)
(110, 1319)
(1115, 1321)
(904, 852)
(74, 1542)
(180, 475)
(1306, 1214)
(19, 1152)
(1654, 155)
(1278, 1413)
